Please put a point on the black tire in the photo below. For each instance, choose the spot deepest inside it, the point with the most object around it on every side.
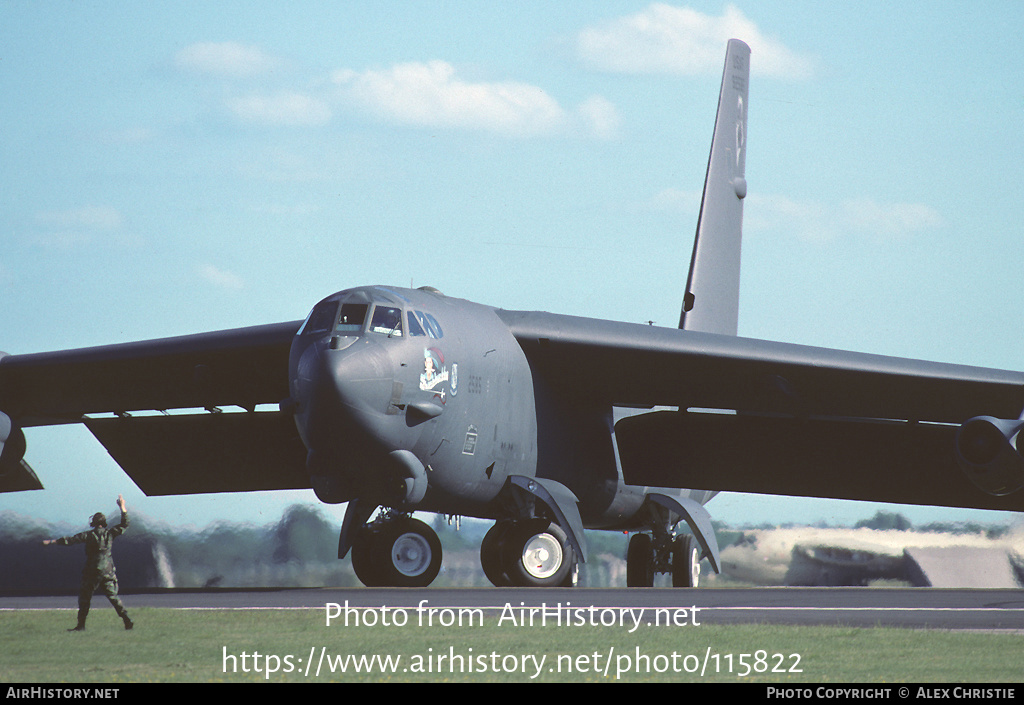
(404, 552)
(537, 553)
(572, 577)
(366, 558)
(640, 561)
(490, 554)
(685, 562)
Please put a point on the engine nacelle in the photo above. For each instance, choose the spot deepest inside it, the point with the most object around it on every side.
(12, 445)
(410, 477)
(397, 480)
(989, 452)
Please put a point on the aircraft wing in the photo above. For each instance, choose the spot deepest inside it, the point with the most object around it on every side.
(191, 446)
(802, 420)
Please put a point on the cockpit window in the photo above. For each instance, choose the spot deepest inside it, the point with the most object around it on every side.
(387, 320)
(415, 329)
(427, 322)
(320, 319)
(351, 318)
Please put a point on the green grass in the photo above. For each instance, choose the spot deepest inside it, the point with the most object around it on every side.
(177, 645)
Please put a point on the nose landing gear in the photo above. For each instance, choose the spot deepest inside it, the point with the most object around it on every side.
(411, 549)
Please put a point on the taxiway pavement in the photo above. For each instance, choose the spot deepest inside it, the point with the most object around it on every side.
(1000, 609)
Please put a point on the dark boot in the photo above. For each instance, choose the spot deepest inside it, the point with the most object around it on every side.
(81, 621)
(121, 611)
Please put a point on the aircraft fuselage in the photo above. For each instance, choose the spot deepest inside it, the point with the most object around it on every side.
(376, 370)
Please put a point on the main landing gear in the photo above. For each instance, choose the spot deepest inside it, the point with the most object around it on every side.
(528, 553)
(662, 553)
(396, 551)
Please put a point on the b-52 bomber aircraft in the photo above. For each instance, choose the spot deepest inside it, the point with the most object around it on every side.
(405, 400)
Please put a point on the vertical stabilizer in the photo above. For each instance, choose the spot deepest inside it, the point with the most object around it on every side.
(711, 304)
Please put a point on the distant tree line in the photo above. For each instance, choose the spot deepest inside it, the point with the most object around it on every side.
(299, 550)
(892, 521)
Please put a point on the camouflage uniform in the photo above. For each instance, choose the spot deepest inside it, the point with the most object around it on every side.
(98, 572)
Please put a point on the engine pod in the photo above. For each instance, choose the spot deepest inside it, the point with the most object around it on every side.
(987, 451)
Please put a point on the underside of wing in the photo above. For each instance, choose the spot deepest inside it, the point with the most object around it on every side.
(197, 453)
(879, 461)
(798, 420)
(156, 406)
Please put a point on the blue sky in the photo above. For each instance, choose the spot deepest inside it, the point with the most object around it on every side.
(174, 167)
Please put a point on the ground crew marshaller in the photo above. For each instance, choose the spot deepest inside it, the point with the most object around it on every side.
(98, 572)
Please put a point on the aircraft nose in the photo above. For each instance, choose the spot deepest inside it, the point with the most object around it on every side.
(362, 377)
(341, 392)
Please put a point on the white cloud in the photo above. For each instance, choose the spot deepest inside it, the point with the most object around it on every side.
(822, 222)
(422, 94)
(282, 108)
(431, 95)
(220, 278)
(890, 219)
(599, 117)
(664, 39)
(229, 59)
(427, 94)
(815, 221)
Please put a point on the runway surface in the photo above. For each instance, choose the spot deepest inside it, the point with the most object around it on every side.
(857, 607)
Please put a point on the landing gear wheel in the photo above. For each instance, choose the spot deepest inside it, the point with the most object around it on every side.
(415, 553)
(490, 554)
(365, 560)
(412, 550)
(640, 561)
(537, 553)
(572, 578)
(685, 562)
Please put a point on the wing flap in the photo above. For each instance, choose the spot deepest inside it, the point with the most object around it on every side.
(20, 478)
(200, 453)
(899, 462)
